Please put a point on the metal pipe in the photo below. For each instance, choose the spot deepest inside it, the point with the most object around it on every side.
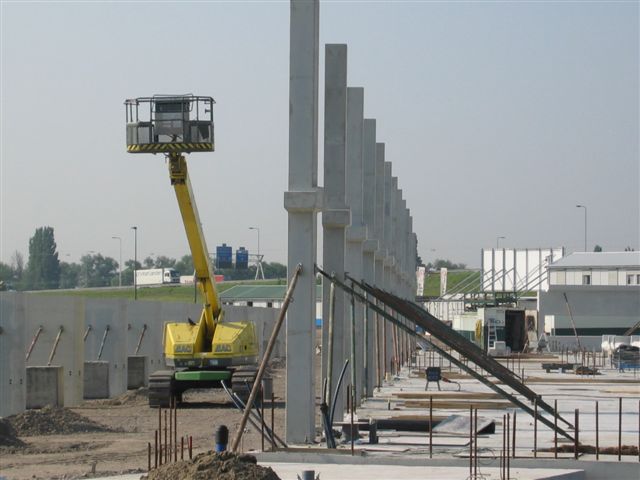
(430, 426)
(597, 432)
(365, 352)
(475, 443)
(181, 448)
(352, 401)
(470, 442)
(352, 311)
(337, 391)
(576, 444)
(160, 434)
(190, 447)
(513, 443)
(555, 431)
(175, 430)
(170, 449)
(377, 340)
(33, 342)
(265, 359)
(262, 418)
(155, 455)
(86, 333)
(104, 339)
(55, 345)
(507, 459)
(332, 311)
(535, 428)
(273, 431)
(166, 450)
(620, 429)
(144, 329)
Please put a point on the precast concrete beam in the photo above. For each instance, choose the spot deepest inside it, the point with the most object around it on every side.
(336, 216)
(301, 202)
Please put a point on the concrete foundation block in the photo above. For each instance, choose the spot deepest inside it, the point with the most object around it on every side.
(137, 371)
(45, 386)
(96, 379)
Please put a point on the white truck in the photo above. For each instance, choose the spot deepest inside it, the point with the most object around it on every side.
(157, 276)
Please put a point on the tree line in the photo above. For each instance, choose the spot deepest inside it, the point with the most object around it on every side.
(44, 270)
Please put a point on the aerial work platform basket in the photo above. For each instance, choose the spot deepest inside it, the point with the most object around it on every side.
(170, 123)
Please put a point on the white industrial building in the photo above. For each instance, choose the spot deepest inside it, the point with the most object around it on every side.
(600, 291)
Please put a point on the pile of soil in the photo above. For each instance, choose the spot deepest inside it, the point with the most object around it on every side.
(8, 435)
(53, 421)
(210, 465)
(131, 397)
(625, 449)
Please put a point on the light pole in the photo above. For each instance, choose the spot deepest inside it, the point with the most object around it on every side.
(120, 262)
(259, 265)
(585, 225)
(135, 261)
(498, 241)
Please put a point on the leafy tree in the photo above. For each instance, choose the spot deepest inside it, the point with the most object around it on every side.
(97, 271)
(148, 262)
(17, 263)
(185, 265)
(597, 248)
(69, 274)
(7, 276)
(629, 249)
(127, 273)
(439, 263)
(43, 269)
(164, 262)
(274, 270)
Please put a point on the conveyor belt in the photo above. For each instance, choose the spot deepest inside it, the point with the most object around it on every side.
(454, 340)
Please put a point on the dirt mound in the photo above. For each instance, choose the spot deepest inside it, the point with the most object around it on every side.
(8, 436)
(53, 421)
(219, 466)
(625, 450)
(131, 397)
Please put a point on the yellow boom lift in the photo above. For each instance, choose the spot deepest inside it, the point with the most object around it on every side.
(202, 354)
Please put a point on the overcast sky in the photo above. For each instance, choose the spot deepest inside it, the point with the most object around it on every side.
(498, 118)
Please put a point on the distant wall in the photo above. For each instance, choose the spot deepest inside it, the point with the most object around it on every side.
(21, 315)
(12, 364)
(596, 310)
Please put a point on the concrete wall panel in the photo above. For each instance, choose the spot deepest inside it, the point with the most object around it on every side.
(12, 363)
(112, 347)
(52, 313)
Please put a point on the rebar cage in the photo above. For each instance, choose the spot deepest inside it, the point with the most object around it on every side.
(170, 123)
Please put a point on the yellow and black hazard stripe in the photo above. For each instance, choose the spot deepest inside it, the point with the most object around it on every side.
(169, 147)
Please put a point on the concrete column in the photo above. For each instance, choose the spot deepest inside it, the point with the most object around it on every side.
(302, 202)
(388, 259)
(357, 232)
(380, 254)
(370, 245)
(335, 214)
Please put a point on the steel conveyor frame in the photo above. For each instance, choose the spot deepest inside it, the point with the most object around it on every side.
(448, 337)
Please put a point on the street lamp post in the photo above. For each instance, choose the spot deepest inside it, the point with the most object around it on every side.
(585, 225)
(135, 261)
(498, 241)
(120, 262)
(259, 265)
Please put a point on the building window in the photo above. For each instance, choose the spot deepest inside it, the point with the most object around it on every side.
(586, 279)
(631, 279)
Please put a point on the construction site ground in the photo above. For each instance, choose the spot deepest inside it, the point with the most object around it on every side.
(403, 455)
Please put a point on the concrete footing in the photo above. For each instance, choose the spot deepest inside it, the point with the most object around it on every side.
(137, 371)
(45, 386)
(96, 379)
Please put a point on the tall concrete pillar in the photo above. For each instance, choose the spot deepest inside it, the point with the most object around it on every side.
(380, 255)
(388, 259)
(335, 214)
(357, 232)
(302, 201)
(370, 246)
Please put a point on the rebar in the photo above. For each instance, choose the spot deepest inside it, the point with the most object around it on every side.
(576, 444)
(620, 429)
(597, 433)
